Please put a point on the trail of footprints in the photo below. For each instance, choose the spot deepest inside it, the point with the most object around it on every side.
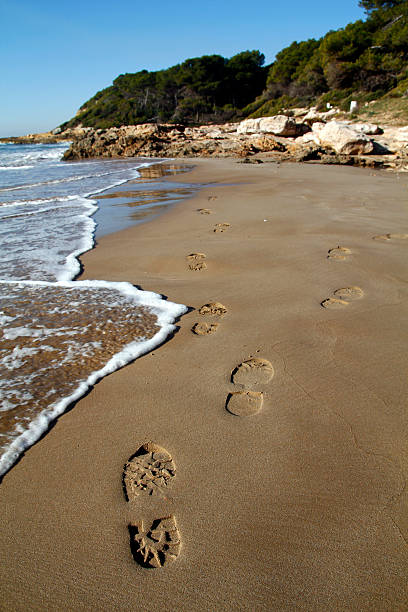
(151, 469)
(155, 543)
(249, 377)
(341, 298)
(195, 261)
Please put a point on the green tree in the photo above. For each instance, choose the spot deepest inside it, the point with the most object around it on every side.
(244, 75)
(291, 60)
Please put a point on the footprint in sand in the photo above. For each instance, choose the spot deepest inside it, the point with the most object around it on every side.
(385, 237)
(213, 309)
(196, 261)
(156, 543)
(204, 211)
(342, 297)
(244, 403)
(204, 329)
(349, 293)
(221, 227)
(212, 198)
(254, 372)
(339, 253)
(148, 472)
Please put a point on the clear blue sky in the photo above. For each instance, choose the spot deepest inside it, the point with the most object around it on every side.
(56, 54)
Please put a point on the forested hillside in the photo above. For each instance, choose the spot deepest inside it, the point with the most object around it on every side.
(202, 89)
(364, 61)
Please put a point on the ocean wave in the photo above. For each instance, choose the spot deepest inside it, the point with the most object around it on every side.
(70, 179)
(52, 243)
(30, 202)
(40, 211)
(34, 152)
(15, 167)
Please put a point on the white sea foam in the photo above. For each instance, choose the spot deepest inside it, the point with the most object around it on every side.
(52, 240)
(166, 312)
(20, 157)
(37, 201)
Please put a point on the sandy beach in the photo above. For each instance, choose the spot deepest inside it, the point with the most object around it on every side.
(299, 502)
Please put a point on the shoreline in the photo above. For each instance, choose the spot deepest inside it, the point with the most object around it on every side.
(300, 506)
(27, 422)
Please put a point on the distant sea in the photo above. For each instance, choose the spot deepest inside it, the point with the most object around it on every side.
(59, 336)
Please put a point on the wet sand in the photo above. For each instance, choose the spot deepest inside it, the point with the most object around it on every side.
(299, 503)
(140, 199)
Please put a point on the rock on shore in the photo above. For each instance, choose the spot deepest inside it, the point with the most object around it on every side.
(280, 125)
(150, 140)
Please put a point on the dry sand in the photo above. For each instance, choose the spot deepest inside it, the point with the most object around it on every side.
(302, 505)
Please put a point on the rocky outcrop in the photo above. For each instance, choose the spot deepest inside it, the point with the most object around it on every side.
(280, 138)
(150, 140)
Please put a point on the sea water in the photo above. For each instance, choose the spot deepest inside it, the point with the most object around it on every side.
(59, 336)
